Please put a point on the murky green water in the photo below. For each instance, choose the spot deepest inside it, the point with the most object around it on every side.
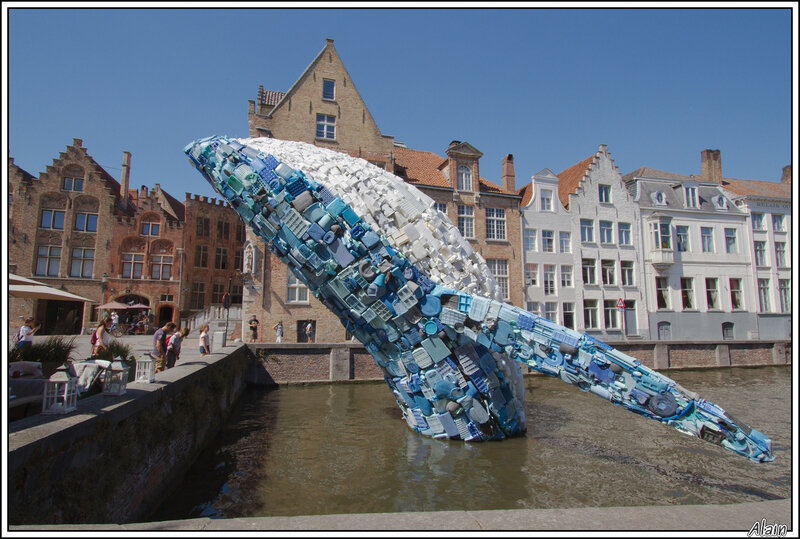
(345, 449)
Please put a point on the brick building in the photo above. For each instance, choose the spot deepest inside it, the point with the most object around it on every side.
(74, 227)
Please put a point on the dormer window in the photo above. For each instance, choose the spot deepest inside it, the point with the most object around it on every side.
(328, 89)
(690, 193)
(720, 202)
(546, 196)
(659, 198)
(464, 178)
(604, 193)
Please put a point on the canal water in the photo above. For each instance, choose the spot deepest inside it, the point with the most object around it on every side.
(343, 448)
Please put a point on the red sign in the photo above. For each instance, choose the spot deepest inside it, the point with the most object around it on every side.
(621, 304)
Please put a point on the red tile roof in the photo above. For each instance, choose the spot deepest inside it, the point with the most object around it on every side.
(569, 179)
(422, 168)
(271, 97)
(526, 193)
(758, 188)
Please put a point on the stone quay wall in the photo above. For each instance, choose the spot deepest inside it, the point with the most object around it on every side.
(278, 364)
(114, 459)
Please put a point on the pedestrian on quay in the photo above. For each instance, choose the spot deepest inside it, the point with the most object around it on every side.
(309, 332)
(253, 329)
(205, 345)
(174, 346)
(101, 338)
(159, 351)
(25, 334)
(278, 331)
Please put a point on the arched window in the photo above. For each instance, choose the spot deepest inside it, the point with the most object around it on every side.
(664, 331)
(464, 178)
(727, 331)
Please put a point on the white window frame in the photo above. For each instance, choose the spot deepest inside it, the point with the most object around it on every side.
(296, 291)
(757, 220)
(763, 295)
(626, 273)
(624, 233)
(529, 239)
(737, 297)
(158, 265)
(662, 293)
(785, 294)
(333, 90)
(590, 320)
(587, 231)
(682, 238)
(85, 264)
(464, 178)
(549, 279)
(499, 269)
(564, 242)
(778, 222)
(760, 253)
(687, 294)
(707, 239)
(131, 262)
(712, 293)
(731, 246)
(588, 271)
(568, 314)
(610, 314)
(606, 232)
(495, 224)
(604, 193)
(52, 255)
(532, 274)
(466, 221)
(546, 200)
(566, 276)
(325, 127)
(548, 241)
(780, 254)
(690, 194)
(608, 272)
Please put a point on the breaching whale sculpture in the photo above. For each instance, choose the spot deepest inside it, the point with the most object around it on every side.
(405, 283)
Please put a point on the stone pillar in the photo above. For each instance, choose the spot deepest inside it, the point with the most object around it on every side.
(779, 353)
(723, 354)
(340, 363)
(661, 356)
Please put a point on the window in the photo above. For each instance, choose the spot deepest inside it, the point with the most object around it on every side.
(548, 241)
(72, 184)
(328, 89)
(132, 265)
(167, 298)
(546, 196)
(687, 293)
(201, 256)
(626, 272)
(624, 230)
(86, 222)
(217, 291)
(197, 298)
(52, 219)
(150, 228)
(549, 279)
(441, 206)
(587, 267)
(529, 239)
(785, 293)
(236, 293)
(533, 307)
(607, 272)
(551, 310)
(604, 193)
(659, 198)
(727, 331)
(223, 230)
(777, 223)
(221, 258)
(730, 241)
(82, 263)
(707, 237)
(587, 230)
(532, 274)
(736, 294)
(662, 292)
(760, 248)
(495, 224)
(466, 221)
(161, 267)
(661, 235)
(202, 227)
(610, 314)
(712, 294)
(564, 242)
(763, 295)
(691, 196)
(326, 127)
(240, 234)
(590, 313)
(499, 269)
(464, 178)
(47, 259)
(758, 221)
(568, 314)
(606, 232)
(682, 237)
(238, 260)
(780, 254)
(566, 276)
(296, 291)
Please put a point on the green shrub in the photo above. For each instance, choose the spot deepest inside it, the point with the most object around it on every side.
(51, 353)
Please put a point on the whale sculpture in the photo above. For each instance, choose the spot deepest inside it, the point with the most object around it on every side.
(405, 283)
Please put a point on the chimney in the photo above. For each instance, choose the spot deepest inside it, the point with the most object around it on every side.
(710, 166)
(786, 177)
(126, 177)
(508, 179)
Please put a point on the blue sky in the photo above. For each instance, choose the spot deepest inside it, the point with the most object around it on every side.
(547, 85)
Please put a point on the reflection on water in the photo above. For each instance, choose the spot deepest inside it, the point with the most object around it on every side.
(345, 449)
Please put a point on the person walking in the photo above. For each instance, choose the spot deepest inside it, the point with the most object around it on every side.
(309, 332)
(101, 337)
(174, 346)
(253, 329)
(159, 351)
(278, 331)
(25, 334)
(205, 346)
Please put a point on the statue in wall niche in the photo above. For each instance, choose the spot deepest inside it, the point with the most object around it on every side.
(249, 260)
(432, 319)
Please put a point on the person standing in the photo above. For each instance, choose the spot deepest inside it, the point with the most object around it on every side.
(114, 321)
(101, 337)
(278, 331)
(25, 335)
(309, 332)
(159, 351)
(253, 329)
(205, 346)
(174, 346)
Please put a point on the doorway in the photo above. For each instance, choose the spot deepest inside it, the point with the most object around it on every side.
(164, 314)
